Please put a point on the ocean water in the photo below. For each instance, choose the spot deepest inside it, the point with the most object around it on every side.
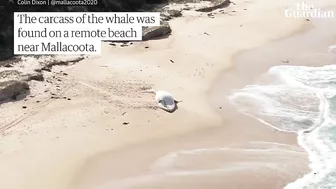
(302, 100)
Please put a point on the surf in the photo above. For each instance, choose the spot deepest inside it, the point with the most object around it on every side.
(302, 100)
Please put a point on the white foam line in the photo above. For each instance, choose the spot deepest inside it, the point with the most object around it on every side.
(285, 73)
(167, 160)
(199, 151)
(292, 147)
(157, 176)
(318, 170)
(268, 124)
(240, 166)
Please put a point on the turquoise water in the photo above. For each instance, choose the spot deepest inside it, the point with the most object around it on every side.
(302, 100)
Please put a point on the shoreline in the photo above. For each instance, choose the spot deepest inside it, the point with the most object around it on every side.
(323, 58)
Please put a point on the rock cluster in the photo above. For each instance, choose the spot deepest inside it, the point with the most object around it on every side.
(14, 80)
(12, 89)
(156, 31)
(223, 4)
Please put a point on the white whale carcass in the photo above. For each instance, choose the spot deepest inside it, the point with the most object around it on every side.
(164, 100)
(332, 49)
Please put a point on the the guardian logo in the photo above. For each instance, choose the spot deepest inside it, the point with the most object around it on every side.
(306, 10)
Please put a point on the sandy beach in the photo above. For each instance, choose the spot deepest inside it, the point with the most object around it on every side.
(103, 132)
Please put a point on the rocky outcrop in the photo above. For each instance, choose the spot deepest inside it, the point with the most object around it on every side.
(56, 62)
(15, 79)
(220, 5)
(14, 83)
(155, 32)
(34, 76)
(169, 14)
(12, 89)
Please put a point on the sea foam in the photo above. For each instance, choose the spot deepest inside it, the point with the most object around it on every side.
(299, 101)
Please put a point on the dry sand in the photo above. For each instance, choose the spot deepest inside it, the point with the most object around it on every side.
(80, 142)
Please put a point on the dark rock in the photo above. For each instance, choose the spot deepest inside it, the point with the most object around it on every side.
(285, 61)
(8, 65)
(174, 13)
(63, 63)
(11, 89)
(46, 69)
(125, 123)
(10, 62)
(156, 32)
(223, 4)
(36, 77)
(165, 17)
(169, 14)
(24, 107)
